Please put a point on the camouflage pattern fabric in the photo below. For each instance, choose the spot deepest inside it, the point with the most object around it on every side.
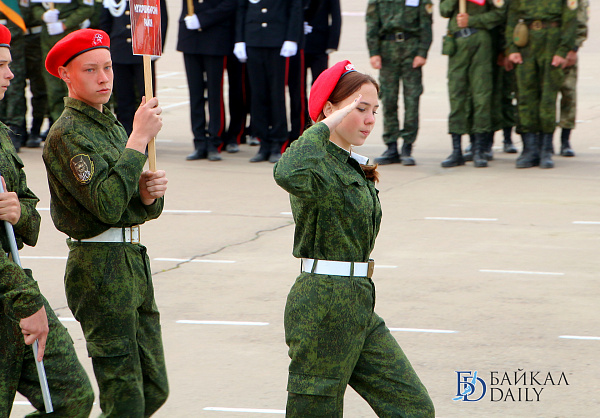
(93, 182)
(73, 14)
(13, 107)
(470, 79)
(334, 336)
(537, 80)
(20, 297)
(387, 18)
(504, 83)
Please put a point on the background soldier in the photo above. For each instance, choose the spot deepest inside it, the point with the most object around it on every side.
(551, 25)
(470, 75)
(25, 314)
(325, 19)
(398, 38)
(568, 91)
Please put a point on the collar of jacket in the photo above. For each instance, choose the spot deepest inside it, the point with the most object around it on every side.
(104, 118)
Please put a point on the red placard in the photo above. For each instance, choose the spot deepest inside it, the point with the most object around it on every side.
(145, 27)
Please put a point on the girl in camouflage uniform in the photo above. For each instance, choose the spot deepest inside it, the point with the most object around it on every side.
(334, 336)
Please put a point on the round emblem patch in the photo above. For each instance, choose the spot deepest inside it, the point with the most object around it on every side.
(429, 8)
(499, 3)
(572, 4)
(83, 168)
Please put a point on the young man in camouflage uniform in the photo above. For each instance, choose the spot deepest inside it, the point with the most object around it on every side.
(99, 197)
(568, 91)
(398, 37)
(470, 75)
(25, 314)
(551, 25)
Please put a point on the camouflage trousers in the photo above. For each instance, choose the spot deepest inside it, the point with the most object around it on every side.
(335, 339)
(470, 85)
(14, 107)
(56, 89)
(568, 98)
(396, 66)
(505, 86)
(109, 290)
(538, 82)
(70, 388)
(37, 85)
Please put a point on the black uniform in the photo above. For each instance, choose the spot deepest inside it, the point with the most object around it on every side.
(205, 53)
(128, 69)
(264, 26)
(325, 17)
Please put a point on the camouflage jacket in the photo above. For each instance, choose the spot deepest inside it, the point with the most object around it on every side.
(93, 178)
(582, 23)
(487, 16)
(20, 296)
(71, 14)
(389, 17)
(336, 209)
(562, 11)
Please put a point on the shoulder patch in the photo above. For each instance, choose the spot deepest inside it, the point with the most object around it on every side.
(499, 3)
(572, 4)
(429, 8)
(83, 168)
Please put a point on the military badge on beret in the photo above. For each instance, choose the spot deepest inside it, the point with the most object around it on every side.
(429, 8)
(83, 168)
(499, 3)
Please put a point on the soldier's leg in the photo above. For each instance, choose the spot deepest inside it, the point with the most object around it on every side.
(326, 321)
(37, 87)
(568, 110)
(458, 88)
(12, 347)
(412, 86)
(480, 84)
(384, 377)
(14, 99)
(389, 82)
(528, 87)
(215, 72)
(69, 385)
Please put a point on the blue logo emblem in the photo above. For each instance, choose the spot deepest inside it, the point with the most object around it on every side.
(467, 387)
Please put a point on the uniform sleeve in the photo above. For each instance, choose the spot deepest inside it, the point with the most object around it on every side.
(79, 15)
(27, 228)
(373, 28)
(219, 14)
(569, 30)
(109, 190)
(582, 23)
(490, 19)
(295, 23)
(154, 210)
(19, 293)
(335, 28)
(448, 8)
(425, 32)
(297, 172)
(511, 22)
(240, 21)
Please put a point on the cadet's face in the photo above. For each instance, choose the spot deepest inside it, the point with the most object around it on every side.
(90, 77)
(356, 127)
(5, 74)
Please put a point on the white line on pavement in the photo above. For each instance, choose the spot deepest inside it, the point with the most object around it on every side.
(434, 218)
(171, 74)
(576, 337)
(187, 211)
(176, 105)
(251, 411)
(587, 222)
(434, 331)
(43, 257)
(256, 324)
(543, 273)
(181, 260)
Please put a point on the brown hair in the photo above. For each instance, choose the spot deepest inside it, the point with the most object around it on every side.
(348, 84)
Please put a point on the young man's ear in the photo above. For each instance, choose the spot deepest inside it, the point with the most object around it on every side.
(328, 108)
(64, 74)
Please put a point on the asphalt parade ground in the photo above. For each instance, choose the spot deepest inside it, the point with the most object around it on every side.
(489, 270)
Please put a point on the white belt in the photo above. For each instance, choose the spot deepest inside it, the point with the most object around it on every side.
(128, 234)
(34, 30)
(338, 268)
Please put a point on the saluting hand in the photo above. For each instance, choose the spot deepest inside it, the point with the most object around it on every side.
(10, 208)
(335, 118)
(147, 122)
(153, 185)
(35, 327)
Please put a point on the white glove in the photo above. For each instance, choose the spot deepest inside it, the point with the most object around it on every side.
(85, 24)
(51, 16)
(239, 50)
(55, 28)
(289, 49)
(307, 28)
(330, 50)
(192, 22)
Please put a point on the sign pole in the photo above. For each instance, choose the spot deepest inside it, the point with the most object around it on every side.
(149, 95)
(462, 6)
(190, 7)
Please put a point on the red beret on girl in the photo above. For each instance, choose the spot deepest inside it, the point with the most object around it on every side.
(324, 85)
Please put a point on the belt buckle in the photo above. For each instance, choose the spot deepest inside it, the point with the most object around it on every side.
(537, 25)
(465, 32)
(399, 37)
(370, 268)
(134, 234)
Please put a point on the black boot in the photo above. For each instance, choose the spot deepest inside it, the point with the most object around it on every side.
(275, 152)
(34, 139)
(546, 153)
(488, 145)
(479, 146)
(262, 154)
(509, 147)
(390, 155)
(212, 150)
(530, 156)
(406, 156)
(565, 146)
(199, 150)
(469, 150)
(456, 158)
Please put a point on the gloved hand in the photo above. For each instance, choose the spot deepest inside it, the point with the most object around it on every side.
(330, 50)
(51, 16)
(192, 22)
(307, 28)
(55, 28)
(85, 24)
(289, 49)
(239, 50)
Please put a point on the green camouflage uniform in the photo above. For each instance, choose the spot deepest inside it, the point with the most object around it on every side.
(20, 297)
(334, 336)
(72, 14)
(504, 85)
(538, 81)
(13, 108)
(108, 284)
(568, 91)
(469, 68)
(412, 24)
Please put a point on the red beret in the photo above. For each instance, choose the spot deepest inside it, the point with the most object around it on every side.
(4, 36)
(324, 85)
(73, 45)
